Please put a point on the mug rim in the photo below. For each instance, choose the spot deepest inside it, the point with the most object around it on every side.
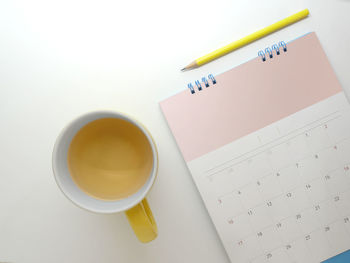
(102, 114)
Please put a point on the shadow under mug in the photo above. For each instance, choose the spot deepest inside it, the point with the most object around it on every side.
(135, 206)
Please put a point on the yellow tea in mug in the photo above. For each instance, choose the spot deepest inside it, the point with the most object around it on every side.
(110, 159)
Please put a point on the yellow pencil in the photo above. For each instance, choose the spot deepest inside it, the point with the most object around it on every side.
(248, 39)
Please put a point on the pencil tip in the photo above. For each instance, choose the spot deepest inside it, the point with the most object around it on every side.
(190, 66)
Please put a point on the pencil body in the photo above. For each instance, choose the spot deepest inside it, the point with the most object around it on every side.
(248, 39)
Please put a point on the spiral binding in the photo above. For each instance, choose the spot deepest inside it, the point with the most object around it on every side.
(203, 84)
(268, 53)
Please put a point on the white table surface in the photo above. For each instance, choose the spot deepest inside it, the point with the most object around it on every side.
(59, 59)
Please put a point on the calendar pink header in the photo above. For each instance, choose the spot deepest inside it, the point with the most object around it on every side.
(250, 97)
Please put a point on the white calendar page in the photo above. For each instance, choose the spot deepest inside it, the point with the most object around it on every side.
(282, 193)
(268, 146)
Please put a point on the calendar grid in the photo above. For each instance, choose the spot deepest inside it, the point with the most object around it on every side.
(296, 172)
(285, 218)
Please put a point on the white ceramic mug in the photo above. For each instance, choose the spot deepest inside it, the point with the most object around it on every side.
(135, 206)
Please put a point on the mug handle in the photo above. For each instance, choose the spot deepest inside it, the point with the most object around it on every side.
(142, 221)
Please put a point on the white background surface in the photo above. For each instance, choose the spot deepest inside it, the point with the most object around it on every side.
(59, 59)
